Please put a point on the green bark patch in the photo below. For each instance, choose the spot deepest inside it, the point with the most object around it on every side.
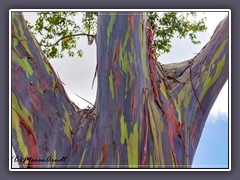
(208, 80)
(89, 133)
(154, 134)
(22, 121)
(24, 64)
(110, 26)
(124, 129)
(111, 84)
(54, 157)
(17, 128)
(81, 161)
(47, 67)
(132, 147)
(67, 124)
(39, 87)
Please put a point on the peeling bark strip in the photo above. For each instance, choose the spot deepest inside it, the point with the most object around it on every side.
(194, 91)
(145, 115)
(153, 63)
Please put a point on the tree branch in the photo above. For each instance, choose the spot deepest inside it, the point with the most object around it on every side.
(68, 36)
(204, 76)
(44, 120)
(84, 99)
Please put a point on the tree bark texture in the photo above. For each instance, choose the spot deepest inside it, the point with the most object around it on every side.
(146, 114)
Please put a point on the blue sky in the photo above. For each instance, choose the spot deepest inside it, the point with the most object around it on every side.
(213, 145)
(212, 150)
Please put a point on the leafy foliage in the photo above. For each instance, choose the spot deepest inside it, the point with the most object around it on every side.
(61, 30)
(55, 25)
(171, 23)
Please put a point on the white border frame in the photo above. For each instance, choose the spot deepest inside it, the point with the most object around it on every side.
(140, 10)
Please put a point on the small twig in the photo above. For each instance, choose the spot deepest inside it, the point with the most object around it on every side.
(60, 79)
(84, 99)
(73, 35)
(95, 74)
(16, 52)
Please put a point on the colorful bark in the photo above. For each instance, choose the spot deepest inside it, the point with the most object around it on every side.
(43, 117)
(146, 114)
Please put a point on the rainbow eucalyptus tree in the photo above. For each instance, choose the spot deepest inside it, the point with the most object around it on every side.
(146, 114)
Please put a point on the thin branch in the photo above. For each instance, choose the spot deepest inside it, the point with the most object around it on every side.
(73, 35)
(190, 66)
(84, 99)
(95, 74)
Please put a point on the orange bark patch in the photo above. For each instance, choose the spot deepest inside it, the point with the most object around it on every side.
(153, 64)
(104, 152)
(172, 129)
(116, 50)
(131, 20)
(133, 104)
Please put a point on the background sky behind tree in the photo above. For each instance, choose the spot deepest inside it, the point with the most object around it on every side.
(77, 75)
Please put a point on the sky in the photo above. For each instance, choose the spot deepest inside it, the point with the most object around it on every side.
(77, 74)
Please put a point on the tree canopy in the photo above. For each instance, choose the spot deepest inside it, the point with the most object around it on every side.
(61, 30)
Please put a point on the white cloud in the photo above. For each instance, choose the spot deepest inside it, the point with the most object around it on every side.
(213, 18)
(219, 110)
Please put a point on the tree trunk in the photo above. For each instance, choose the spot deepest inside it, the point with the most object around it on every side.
(146, 114)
